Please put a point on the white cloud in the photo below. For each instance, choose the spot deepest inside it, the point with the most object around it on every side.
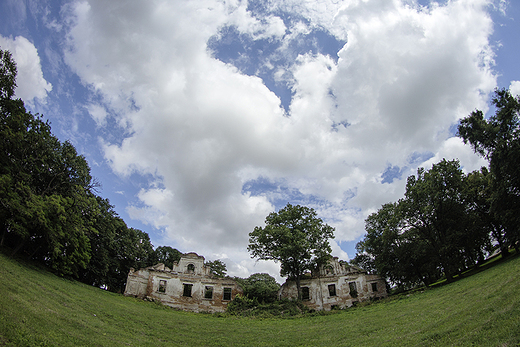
(30, 81)
(514, 88)
(202, 129)
(270, 26)
(98, 113)
(454, 148)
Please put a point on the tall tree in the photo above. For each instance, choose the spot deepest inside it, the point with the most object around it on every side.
(432, 206)
(7, 75)
(296, 238)
(217, 267)
(48, 208)
(498, 140)
(45, 201)
(167, 255)
(436, 206)
(395, 252)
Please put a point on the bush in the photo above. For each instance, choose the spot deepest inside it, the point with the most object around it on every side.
(246, 307)
(241, 304)
(261, 286)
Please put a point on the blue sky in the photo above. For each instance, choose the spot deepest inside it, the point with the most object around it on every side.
(201, 117)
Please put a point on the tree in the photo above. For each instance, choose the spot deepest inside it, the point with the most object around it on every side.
(436, 206)
(395, 253)
(7, 75)
(167, 255)
(441, 226)
(102, 269)
(498, 140)
(46, 203)
(484, 224)
(295, 237)
(260, 286)
(217, 267)
(433, 207)
(48, 209)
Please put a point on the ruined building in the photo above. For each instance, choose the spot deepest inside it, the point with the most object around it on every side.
(189, 285)
(336, 284)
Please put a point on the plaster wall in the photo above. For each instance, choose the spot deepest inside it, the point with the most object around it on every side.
(188, 286)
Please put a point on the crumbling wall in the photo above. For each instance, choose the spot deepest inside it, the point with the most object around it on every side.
(189, 285)
(335, 285)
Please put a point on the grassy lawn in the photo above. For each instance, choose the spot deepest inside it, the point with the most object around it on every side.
(40, 309)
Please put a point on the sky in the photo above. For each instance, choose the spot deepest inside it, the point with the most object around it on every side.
(199, 118)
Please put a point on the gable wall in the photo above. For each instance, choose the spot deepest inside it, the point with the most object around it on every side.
(146, 283)
(339, 275)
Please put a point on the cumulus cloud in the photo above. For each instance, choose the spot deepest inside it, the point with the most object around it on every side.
(514, 88)
(206, 131)
(30, 81)
(98, 113)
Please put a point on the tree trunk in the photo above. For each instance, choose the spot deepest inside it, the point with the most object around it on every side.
(4, 231)
(20, 245)
(298, 288)
(36, 250)
(504, 249)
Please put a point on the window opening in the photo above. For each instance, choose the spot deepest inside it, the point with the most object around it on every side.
(187, 289)
(332, 290)
(162, 286)
(305, 293)
(374, 287)
(227, 294)
(191, 268)
(208, 292)
(353, 289)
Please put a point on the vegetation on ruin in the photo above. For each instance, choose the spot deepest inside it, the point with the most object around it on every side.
(38, 308)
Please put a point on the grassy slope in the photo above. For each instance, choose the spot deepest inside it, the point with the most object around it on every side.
(38, 308)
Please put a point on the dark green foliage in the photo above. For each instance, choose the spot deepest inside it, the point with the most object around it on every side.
(48, 210)
(167, 255)
(217, 268)
(498, 140)
(401, 257)
(241, 304)
(447, 221)
(295, 237)
(46, 205)
(438, 228)
(434, 207)
(115, 249)
(246, 307)
(7, 75)
(260, 286)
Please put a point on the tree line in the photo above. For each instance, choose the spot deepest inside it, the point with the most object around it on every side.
(50, 211)
(449, 221)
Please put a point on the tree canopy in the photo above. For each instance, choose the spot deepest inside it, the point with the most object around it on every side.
(49, 210)
(498, 140)
(260, 286)
(295, 237)
(449, 221)
(438, 228)
(217, 267)
(46, 202)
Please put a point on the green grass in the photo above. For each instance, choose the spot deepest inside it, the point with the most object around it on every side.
(39, 309)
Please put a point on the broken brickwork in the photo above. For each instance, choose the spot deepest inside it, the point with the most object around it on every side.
(189, 285)
(336, 284)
